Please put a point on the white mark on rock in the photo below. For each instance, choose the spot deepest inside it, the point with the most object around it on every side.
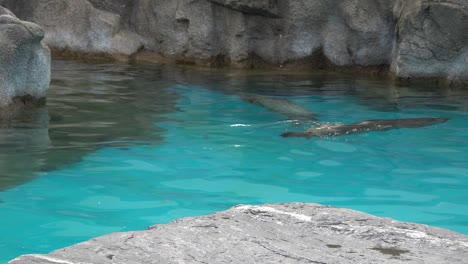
(260, 209)
(50, 259)
(416, 234)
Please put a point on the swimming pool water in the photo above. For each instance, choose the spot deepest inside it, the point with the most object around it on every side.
(204, 149)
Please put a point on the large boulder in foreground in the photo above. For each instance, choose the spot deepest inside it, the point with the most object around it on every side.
(274, 233)
(24, 61)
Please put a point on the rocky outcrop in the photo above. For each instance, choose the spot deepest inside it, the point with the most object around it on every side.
(410, 38)
(24, 62)
(432, 39)
(78, 26)
(274, 233)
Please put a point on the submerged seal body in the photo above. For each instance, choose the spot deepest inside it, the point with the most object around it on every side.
(365, 126)
(279, 105)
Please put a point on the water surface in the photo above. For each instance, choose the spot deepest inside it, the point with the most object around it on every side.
(122, 147)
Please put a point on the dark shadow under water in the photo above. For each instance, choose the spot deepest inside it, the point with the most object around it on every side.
(91, 106)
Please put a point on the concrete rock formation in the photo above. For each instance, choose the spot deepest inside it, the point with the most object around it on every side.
(77, 26)
(432, 39)
(274, 233)
(412, 39)
(24, 62)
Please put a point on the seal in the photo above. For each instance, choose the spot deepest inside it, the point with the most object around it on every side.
(279, 105)
(336, 129)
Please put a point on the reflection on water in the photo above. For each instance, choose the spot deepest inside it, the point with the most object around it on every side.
(93, 106)
(23, 138)
(120, 147)
(90, 106)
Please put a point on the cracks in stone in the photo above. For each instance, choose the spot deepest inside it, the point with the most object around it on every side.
(451, 4)
(183, 25)
(392, 252)
(362, 220)
(278, 251)
(447, 38)
(206, 226)
(129, 237)
(197, 260)
(425, 39)
(252, 8)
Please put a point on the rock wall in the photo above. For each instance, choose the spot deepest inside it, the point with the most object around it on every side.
(76, 25)
(24, 62)
(418, 38)
(432, 39)
(274, 233)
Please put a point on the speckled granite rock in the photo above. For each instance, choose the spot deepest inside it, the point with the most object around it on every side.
(272, 233)
(24, 62)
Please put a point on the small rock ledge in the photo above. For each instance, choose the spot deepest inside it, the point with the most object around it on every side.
(272, 233)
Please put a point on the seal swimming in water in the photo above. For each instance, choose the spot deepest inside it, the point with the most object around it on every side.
(335, 129)
(279, 105)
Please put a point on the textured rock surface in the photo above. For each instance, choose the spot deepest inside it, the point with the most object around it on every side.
(432, 39)
(413, 38)
(275, 233)
(78, 26)
(24, 61)
(268, 8)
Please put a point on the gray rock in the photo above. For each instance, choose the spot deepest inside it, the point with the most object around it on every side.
(216, 32)
(78, 26)
(414, 39)
(274, 233)
(24, 62)
(268, 8)
(432, 39)
(121, 7)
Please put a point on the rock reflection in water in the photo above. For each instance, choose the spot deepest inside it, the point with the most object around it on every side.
(91, 106)
(24, 138)
(88, 107)
(94, 106)
(376, 92)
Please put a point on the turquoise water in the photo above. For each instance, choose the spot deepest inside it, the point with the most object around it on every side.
(190, 146)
